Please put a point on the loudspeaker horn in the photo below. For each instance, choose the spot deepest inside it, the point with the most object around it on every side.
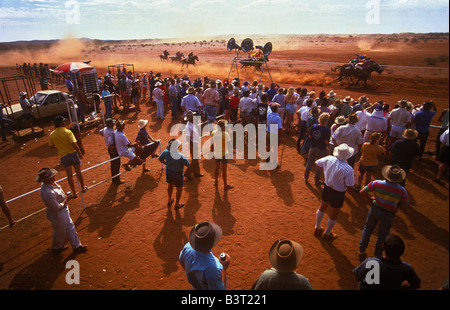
(267, 49)
(247, 45)
(232, 45)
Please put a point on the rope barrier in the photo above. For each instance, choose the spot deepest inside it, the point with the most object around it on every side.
(80, 192)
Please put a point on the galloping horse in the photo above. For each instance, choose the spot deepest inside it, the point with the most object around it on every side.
(189, 61)
(348, 72)
(164, 56)
(177, 58)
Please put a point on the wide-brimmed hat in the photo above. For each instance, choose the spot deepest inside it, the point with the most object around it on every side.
(393, 174)
(410, 134)
(403, 103)
(190, 90)
(45, 174)
(353, 118)
(22, 93)
(189, 115)
(331, 93)
(343, 151)
(347, 99)
(337, 102)
(340, 120)
(158, 84)
(285, 255)
(142, 123)
(204, 236)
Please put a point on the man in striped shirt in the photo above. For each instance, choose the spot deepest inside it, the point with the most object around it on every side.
(389, 195)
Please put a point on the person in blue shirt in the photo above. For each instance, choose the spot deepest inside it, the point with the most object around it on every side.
(69, 85)
(422, 121)
(273, 90)
(204, 271)
(175, 162)
(108, 101)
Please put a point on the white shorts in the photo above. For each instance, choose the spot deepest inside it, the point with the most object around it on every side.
(396, 131)
(128, 154)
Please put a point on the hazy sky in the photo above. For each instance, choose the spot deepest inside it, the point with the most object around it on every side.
(133, 19)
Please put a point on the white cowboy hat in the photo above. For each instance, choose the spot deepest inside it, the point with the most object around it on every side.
(158, 84)
(22, 93)
(142, 123)
(343, 152)
(331, 93)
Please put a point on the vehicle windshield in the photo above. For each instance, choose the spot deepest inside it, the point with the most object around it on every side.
(38, 98)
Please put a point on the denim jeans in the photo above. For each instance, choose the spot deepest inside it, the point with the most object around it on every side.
(108, 109)
(422, 139)
(211, 112)
(314, 154)
(159, 108)
(386, 219)
(174, 102)
(5, 129)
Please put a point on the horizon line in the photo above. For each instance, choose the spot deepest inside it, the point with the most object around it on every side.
(231, 35)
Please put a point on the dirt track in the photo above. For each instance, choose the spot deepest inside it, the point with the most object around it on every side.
(134, 240)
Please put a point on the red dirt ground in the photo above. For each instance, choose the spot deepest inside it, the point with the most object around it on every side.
(134, 240)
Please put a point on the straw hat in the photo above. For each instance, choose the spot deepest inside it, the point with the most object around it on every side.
(190, 90)
(393, 174)
(45, 174)
(410, 134)
(285, 255)
(343, 151)
(348, 99)
(142, 123)
(353, 118)
(340, 120)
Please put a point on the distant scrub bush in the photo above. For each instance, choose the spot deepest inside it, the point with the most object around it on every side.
(431, 60)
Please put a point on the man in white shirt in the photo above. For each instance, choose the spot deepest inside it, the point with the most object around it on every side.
(246, 106)
(192, 133)
(125, 148)
(376, 122)
(303, 114)
(108, 136)
(339, 177)
(349, 135)
(158, 96)
(399, 119)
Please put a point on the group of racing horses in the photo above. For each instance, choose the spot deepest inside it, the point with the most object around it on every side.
(179, 57)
